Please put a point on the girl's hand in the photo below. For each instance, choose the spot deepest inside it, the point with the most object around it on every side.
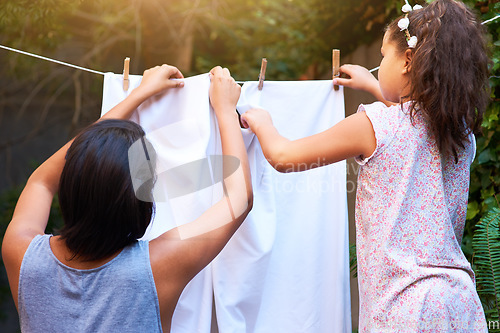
(224, 91)
(157, 79)
(359, 78)
(256, 118)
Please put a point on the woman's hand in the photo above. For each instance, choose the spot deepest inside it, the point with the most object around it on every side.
(255, 119)
(157, 79)
(154, 81)
(359, 78)
(224, 91)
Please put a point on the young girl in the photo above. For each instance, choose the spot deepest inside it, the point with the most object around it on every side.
(96, 276)
(414, 176)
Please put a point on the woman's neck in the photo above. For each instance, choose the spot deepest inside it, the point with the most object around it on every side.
(65, 255)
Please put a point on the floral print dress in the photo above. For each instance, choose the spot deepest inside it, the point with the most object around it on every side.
(410, 216)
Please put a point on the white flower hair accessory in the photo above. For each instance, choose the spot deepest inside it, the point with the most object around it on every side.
(406, 8)
(412, 42)
(405, 22)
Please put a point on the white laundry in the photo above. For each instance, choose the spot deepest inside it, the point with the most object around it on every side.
(287, 267)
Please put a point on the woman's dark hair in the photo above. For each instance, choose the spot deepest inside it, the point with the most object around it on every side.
(449, 71)
(101, 212)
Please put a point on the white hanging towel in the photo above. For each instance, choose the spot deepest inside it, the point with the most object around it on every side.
(286, 270)
(287, 267)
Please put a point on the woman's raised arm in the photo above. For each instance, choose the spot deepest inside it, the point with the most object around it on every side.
(33, 206)
(180, 253)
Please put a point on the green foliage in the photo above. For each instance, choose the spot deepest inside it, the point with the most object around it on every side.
(353, 262)
(195, 35)
(486, 245)
(295, 35)
(485, 171)
(38, 26)
(39, 22)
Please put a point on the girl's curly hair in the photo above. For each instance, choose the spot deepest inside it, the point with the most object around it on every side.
(448, 72)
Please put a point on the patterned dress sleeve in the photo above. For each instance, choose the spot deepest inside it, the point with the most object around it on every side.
(385, 122)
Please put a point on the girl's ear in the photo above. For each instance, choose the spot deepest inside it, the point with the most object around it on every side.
(408, 56)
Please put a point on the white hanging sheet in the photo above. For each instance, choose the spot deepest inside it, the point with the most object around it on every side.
(287, 267)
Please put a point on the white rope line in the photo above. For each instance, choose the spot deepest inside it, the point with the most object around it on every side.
(51, 60)
(101, 73)
(491, 19)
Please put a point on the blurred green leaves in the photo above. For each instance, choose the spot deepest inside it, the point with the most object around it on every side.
(485, 173)
(195, 35)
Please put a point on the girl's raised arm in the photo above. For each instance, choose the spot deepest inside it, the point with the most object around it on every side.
(351, 137)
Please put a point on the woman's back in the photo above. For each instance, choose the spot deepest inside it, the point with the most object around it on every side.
(117, 296)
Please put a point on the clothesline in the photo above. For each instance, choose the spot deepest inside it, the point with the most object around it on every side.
(88, 69)
(491, 19)
(102, 73)
(51, 60)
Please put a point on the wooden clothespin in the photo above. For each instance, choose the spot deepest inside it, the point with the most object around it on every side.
(126, 71)
(335, 65)
(262, 75)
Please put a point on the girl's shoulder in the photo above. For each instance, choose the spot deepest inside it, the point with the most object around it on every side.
(380, 110)
(388, 122)
(390, 118)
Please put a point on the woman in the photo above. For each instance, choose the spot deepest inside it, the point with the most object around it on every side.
(96, 276)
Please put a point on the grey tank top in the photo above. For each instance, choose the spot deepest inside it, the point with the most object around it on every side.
(119, 296)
